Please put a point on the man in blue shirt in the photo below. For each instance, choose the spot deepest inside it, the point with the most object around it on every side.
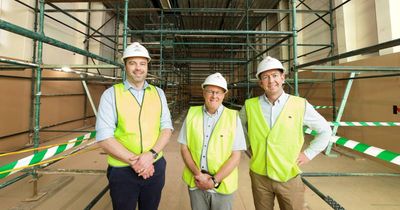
(133, 126)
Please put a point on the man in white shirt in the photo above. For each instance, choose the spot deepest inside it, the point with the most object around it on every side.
(274, 123)
(211, 141)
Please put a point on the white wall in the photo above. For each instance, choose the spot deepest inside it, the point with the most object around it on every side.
(12, 45)
(19, 47)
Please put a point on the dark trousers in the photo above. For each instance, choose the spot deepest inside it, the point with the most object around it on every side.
(127, 188)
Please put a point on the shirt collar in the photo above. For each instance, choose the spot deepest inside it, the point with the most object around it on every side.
(281, 98)
(219, 110)
(128, 85)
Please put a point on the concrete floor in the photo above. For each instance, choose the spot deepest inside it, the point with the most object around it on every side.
(76, 191)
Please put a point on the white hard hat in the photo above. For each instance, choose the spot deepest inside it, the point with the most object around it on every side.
(136, 50)
(215, 79)
(269, 63)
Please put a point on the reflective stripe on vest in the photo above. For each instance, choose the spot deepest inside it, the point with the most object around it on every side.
(138, 126)
(275, 151)
(219, 147)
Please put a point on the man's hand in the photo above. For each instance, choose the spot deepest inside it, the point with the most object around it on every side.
(203, 181)
(302, 159)
(143, 162)
(132, 160)
(148, 172)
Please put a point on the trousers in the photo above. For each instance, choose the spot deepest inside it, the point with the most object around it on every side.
(127, 189)
(204, 200)
(290, 194)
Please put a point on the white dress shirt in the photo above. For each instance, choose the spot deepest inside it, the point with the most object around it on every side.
(312, 119)
(209, 122)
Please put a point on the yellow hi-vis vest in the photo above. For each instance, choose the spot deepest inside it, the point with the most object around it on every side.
(138, 126)
(219, 147)
(275, 151)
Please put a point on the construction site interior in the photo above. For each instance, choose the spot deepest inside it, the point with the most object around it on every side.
(58, 57)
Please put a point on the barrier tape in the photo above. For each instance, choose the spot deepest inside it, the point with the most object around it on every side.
(45, 162)
(323, 107)
(364, 123)
(32, 149)
(382, 154)
(31, 160)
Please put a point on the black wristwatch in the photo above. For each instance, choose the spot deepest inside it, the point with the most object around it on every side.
(154, 153)
(216, 184)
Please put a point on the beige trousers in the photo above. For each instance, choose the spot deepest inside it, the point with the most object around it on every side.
(290, 194)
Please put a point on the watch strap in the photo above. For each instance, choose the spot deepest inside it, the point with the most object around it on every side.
(154, 153)
(216, 184)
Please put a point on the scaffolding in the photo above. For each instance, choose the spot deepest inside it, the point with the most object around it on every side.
(185, 49)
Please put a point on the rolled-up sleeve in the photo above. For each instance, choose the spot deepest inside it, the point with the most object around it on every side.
(182, 134)
(106, 116)
(316, 122)
(166, 121)
(240, 140)
(243, 120)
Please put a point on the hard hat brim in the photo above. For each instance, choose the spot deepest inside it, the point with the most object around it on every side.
(206, 84)
(133, 56)
(281, 70)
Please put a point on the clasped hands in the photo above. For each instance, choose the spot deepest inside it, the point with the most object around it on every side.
(142, 164)
(203, 181)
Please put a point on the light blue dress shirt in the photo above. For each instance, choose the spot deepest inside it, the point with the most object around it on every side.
(106, 120)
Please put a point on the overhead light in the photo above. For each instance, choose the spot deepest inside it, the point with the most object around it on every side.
(66, 69)
(69, 70)
(165, 4)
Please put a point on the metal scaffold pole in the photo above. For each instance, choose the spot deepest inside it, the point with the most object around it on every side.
(116, 38)
(333, 75)
(161, 49)
(341, 110)
(124, 33)
(36, 137)
(248, 93)
(42, 38)
(294, 40)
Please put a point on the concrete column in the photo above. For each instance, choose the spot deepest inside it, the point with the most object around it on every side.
(345, 28)
(263, 40)
(283, 26)
(388, 19)
(356, 27)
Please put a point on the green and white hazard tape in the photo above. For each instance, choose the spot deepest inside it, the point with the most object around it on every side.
(18, 165)
(323, 107)
(364, 123)
(363, 148)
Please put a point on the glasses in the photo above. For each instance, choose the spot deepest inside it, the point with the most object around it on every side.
(217, 93)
